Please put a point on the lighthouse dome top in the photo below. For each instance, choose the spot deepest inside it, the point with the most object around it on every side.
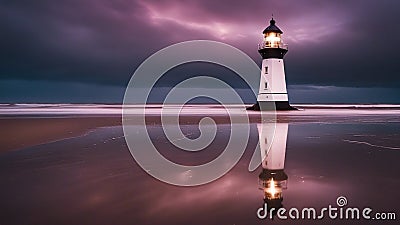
(272, 28)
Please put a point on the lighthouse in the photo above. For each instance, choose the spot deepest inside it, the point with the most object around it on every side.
(272, 80)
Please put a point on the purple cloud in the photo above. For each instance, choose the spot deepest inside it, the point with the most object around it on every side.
(331, 43)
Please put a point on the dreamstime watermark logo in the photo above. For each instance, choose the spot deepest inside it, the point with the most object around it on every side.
(330, 212)
(135, 110)
(341, 201)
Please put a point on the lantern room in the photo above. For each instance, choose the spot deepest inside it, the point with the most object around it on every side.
(272, 36)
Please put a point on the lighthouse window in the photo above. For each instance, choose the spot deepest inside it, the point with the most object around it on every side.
(266, 70)
(266, 85)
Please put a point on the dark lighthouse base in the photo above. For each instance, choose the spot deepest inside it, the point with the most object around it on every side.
(279, 106)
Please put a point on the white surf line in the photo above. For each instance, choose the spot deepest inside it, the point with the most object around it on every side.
(372, 145)
(364, 135)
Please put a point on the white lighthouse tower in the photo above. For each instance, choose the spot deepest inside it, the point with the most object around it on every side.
(272, 81)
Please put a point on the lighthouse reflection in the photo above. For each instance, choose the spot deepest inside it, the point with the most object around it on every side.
(273, 179)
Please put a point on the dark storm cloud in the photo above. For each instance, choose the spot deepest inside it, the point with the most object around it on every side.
(73, 40)
(362, 52)
(342, 43)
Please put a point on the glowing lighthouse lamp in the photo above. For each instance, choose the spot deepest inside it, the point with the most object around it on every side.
(272, 81)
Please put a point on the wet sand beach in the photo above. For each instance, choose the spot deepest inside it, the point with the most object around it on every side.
(77, 169)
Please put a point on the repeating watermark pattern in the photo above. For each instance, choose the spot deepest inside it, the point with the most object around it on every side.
(330, 212)
(135, 110)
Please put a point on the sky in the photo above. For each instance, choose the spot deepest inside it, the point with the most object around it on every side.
(87, 50)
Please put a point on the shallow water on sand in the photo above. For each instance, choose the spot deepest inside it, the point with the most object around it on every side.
(93, 179)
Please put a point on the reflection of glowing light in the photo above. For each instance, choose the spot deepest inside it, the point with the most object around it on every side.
(272, 190)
